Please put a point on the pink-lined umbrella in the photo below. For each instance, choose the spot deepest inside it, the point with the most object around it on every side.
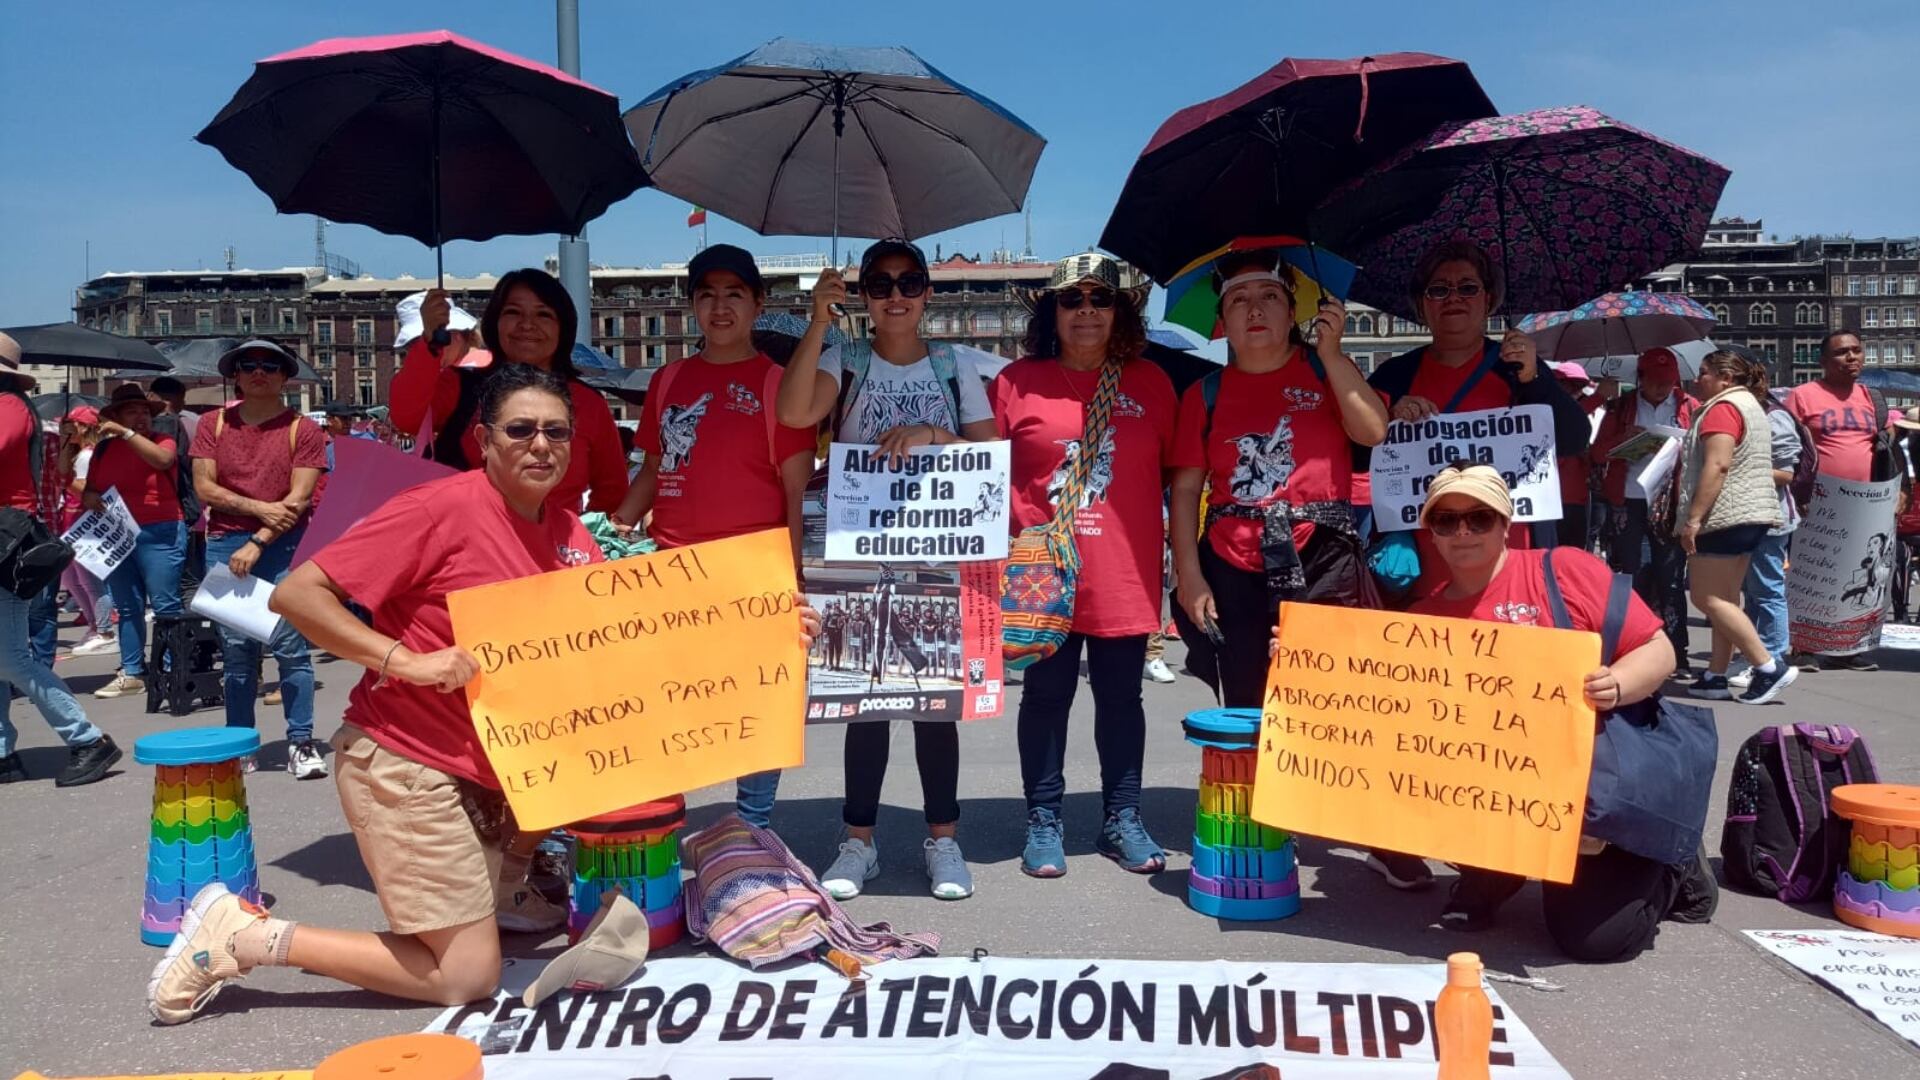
(428, 135)
(1627, 323)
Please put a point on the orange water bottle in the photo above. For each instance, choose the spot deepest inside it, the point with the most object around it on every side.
(1463, 1021)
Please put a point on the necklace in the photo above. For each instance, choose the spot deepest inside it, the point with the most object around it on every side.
(1061, 368)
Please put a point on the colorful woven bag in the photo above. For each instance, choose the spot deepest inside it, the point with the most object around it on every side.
(1043, 563)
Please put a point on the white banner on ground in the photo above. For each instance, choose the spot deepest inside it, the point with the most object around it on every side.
(1005, 1019)
(237, 603)
(1839, 578)
(102, 541)
(1878, 972)
(1518, 442)
(939, 504)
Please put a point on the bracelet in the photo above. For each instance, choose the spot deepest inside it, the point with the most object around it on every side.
(381, 680)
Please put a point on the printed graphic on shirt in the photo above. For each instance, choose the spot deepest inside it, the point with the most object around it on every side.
(1126, 406)
(679, 428)
(742, 400)
(1098, 478)
(572, 556)
(1301, 398)
(1517, 613)
(880, 409)
(1264, 462)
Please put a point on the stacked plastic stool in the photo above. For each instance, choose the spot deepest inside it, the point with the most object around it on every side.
(201, 832)
(183, 670)
(1242, 870)
(638, 851)
(1880, 888)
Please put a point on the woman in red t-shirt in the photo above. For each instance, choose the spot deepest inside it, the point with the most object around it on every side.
(1612, 908)
(529, 319)
(424, 805)
(1271, 438)
(138, 464)
(1083, 325)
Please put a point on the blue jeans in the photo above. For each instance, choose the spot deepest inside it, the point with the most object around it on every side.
(753, 797)
(43, 624)
(1766, 594)
(150, 575)
(19, 666)
(241, 654)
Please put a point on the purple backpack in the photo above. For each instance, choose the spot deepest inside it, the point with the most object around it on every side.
(1782, 838)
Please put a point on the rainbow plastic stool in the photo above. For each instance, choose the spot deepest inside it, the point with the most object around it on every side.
(1242, 870)
(1880, 888)
(637, 849)
(201, 832)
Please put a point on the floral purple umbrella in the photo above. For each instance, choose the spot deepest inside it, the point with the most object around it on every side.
(1571, 202)
(1617, 323)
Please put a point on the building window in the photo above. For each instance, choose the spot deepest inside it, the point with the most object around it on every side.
(1720, 313)
(1873, 354)
(1870, 285)
(653, 326)
(1907, 316)
(612, 326)
(203, 321)
(1352, 325)
(1910, 285)
(939, 324)
(618, 352)
(987, 322)
(1017, 323)
(1366, 325)
(164, 320)
(1870, 316)
(363, 388)
(1906, 353)
(246, 322)
(656, 355)
(363, 331)
(1853, 286)
(1808, 314)
(323, 332)
(1760, 315)
(363, 358)
(288, 320)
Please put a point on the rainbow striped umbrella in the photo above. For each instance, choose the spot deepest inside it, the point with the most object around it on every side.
(1193, 303)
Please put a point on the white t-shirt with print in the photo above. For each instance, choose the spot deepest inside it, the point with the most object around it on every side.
(894, 395)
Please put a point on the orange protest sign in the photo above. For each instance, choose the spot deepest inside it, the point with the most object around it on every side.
(608, 685)
(1450, 738)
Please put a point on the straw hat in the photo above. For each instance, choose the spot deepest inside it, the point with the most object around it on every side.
(1069, 273)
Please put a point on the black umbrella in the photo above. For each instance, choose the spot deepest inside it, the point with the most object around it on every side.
(198, 359)
(73, 345)
(811, 140)
(55, 406)
(627, 384)
(430, 136)
(1255, 161)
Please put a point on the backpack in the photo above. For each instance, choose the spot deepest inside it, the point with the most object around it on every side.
(1782, 838)
(1210, 391)
(31, 556)
(169, 425)
(1807, 468)
(856, 359)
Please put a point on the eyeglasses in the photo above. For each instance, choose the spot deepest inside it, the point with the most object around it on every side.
(523, 431)
(1100, 297)
(255, 367)
(1466, 290)
(911, 284)
(1448, 522)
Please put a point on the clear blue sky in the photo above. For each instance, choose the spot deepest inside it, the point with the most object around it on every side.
(1816, 108)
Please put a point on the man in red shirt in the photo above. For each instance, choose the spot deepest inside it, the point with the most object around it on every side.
(91, 752)
(1841, 414)
(719, 463)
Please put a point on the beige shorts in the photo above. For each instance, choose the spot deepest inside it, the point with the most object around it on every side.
(430, 864)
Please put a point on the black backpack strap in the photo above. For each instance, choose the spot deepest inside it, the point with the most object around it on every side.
(1619, 594)
(1488, 356)
(1556, 603)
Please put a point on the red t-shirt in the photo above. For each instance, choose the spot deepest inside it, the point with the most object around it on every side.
(1518, 595)
(1842, 427)
(1724, 419)
(1273, 432)
(148, 492)
(18, 428)
(708, 431)
(1041, 406)
(256, 461)
(401, 561)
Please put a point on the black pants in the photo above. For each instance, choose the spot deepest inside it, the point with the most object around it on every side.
(1119, 720)
(1610, 912)
(1573, 527)
(1661, 582)
(936, 748)
(1246, 609)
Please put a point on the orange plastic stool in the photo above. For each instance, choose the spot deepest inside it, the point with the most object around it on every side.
(405, 1057)
(1879, 888)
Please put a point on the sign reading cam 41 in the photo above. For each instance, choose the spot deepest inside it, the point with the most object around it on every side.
(1517, 442)
(938, 504)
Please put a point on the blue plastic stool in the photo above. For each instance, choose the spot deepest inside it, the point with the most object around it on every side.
(201, 832)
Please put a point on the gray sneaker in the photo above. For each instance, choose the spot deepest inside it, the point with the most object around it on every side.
(857, 864)
(947, 868)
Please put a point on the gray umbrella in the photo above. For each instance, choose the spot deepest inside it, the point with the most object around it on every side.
(807, 140)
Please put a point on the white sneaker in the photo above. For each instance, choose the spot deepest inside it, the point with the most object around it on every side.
(122, 685)
(947, 869)
(305, 762)
(95, 644)
(1741, 679)
(525, 911)
(1158, 671)
(857, 864)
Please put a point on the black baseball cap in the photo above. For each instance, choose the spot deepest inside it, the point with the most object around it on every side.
(893, 246)
(736, 260)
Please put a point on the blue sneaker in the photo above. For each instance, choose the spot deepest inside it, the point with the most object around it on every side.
(1044, 857)
(1713, 688)
(1124, 839)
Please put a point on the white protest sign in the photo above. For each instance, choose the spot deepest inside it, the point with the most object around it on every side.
(102, 541)
(1878, 972)
(237, 603)
(1005, 1019)
(1517, 442)
(938, 504)
(1839, 579)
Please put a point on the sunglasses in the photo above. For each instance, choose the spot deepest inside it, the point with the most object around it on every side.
(880, 286)
(1466, 290)
(1070, 299)
(255, 367)
(523, 431)
(1449, 522)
